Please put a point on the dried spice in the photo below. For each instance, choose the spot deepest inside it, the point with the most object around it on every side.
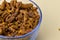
(17, 19)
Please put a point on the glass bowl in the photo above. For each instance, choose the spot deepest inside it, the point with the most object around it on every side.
(31, 35)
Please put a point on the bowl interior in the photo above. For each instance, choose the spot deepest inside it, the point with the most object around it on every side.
(40, 13)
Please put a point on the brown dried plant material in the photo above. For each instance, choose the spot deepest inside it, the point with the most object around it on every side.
(18, 4)
(17, 18)
(25, 5)
(2, 6)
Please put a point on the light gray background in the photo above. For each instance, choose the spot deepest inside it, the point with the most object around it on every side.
(51, 20)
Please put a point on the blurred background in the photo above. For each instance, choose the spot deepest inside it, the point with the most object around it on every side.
(51, 19)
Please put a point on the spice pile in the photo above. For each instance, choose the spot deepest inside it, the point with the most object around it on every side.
(17, 19)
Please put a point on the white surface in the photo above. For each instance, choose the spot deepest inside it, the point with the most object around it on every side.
(51, 19)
